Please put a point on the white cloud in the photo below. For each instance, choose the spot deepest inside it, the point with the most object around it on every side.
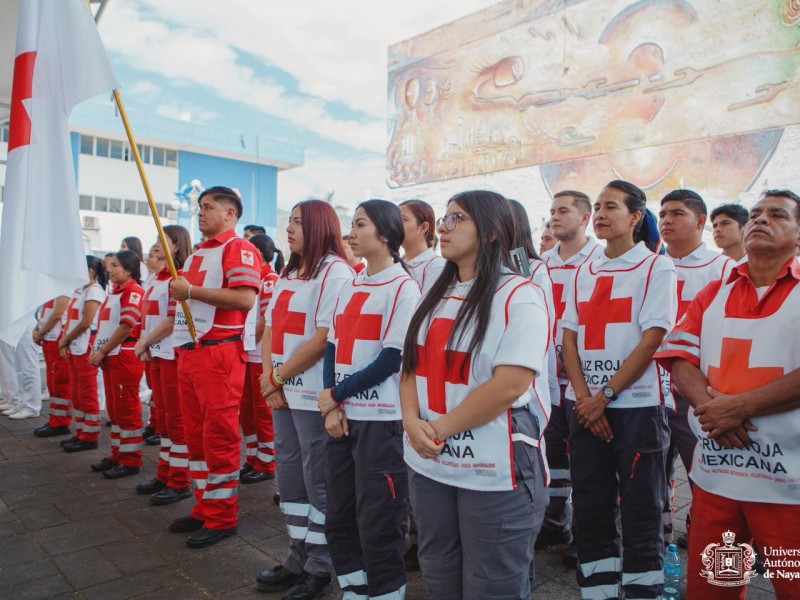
(142, 89)
(352, 180)
(184, 112)
(185, 54)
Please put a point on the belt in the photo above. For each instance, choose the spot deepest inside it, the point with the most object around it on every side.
(207, 343)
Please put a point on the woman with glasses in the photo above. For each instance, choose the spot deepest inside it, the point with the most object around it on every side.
(473, 424)
(619, 308)
(295, 336)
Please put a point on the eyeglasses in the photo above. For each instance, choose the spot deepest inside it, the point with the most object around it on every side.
(451, 221)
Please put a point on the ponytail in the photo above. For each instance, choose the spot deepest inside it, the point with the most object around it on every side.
(647, 232)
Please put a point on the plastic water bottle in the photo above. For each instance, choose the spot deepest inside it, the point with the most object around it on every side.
(672, 574)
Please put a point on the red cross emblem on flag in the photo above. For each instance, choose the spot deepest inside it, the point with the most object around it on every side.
(601, 311)
(439, 365)
(354, 325)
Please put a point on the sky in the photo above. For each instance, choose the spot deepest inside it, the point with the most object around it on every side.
(308, 71)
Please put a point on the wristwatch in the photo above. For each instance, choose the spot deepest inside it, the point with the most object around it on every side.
(609, 393)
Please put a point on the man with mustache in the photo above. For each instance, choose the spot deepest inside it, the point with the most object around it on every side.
(736, 358)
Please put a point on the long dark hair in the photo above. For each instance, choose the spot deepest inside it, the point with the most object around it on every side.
(280, 262)
(646, 229)
(131, 263)
(322, 235)
(179, 236)
(134, 244)
(99, 268)
(265, 245)
(423, 213)
(494, 222)
(388, 222)
(523, 236)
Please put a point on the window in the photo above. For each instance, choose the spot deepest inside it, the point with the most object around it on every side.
(114, 205)
(3, 134)
(143, 209)
(144, 152)
(116, 149)
(158, 156)
(102, 147)
(172, 158)
(130, 207)
(101, 203)
(85, 202)
(87, 144)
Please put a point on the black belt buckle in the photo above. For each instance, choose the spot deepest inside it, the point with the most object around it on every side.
(206, 344)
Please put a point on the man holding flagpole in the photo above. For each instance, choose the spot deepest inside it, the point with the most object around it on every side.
(60, 61)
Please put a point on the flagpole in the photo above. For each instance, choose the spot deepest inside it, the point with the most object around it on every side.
(162, 237)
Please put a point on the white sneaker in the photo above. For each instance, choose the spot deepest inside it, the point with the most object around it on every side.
(24, 413)
(11, 410)
(5, 405)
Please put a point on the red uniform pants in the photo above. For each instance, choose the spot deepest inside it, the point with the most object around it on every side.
(173, 461)
(85, 405)
(769, 526)
(255, 416)
(58, 385)
(211, 381)
(122, 374)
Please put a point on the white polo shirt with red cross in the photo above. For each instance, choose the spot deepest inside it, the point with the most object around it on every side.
(373, 313)
(610, 304)
(481, 458)
(299, 307)
(426, 268)
(562, 272)
(696, 271)
(742, 338)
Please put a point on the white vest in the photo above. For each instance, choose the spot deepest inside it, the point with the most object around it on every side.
(561, 274)
(260, 306)
(55, 330)
(696, 271)
(481, 458)
(74, 315)
(373, 313)
(108, 322)
(770, 470)
(292, 317)
(609, 330)
(426, 268)
(202, 314)
(157, 297)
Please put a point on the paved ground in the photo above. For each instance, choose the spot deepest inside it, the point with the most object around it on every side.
(66, 532)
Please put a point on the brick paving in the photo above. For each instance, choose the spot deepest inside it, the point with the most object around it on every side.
(66, 532)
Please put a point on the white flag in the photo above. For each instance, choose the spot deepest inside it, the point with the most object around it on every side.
(60, 61)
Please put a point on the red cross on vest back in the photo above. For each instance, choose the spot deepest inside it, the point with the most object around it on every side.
(352, 325)
(734, 374)
(600, 311)
(19, 133)
(150, 307)
(73, 314)
(105, 313)
(285, 321)
(439, 365)
(194, 275)
(683, 305)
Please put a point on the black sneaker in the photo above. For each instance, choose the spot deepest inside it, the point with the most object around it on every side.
(170, 495)
(104, 465)
(153, 440)
(311, 587)
(72, 440)
(47, 431)
(80, 446)
(150, 487)
(278, 579)
(119, 471)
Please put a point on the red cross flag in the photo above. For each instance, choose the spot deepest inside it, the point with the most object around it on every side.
(60, 61)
